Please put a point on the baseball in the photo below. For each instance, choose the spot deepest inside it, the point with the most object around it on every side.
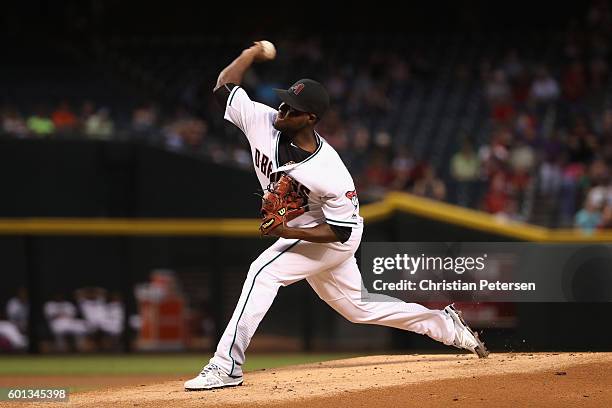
(269, 50)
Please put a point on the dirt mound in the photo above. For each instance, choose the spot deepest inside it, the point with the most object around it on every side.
(541, 379)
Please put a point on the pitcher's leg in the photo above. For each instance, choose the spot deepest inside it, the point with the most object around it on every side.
(341, 287)
(258, 293)
(285, 262)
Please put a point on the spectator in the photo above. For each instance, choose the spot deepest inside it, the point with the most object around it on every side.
(465, 171)
(510, 212)
(357, 156)
(513, 66)
(242, 158)
(39, 124)
(64, 120)
(88, 108)
(430, 185)
(497, 88)
(582, 144)
(92, 304)
(67, 330)
(112, 324)
(18, 309)
(589, 218)
(496, 153)
(553, 148)
(194, 132)
(572, 172)
(597, 176)
(526, 127)
(606, 218)
(99, 125)
(598, 74)
(13, 124)
(172, 136)
(336, 86)
(332, 126)
(551, 177)
(401, 167)
(544, 88)
(104, 320)
(503, 112)
(605, 128)
(522, 157)
(521, 88)
(377, 176)
(10, 336)
(498, 197)
(574, 81)
(144, 118)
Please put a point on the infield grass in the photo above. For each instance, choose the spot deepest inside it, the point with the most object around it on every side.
(136, 364)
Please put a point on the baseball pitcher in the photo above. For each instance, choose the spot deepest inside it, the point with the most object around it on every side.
(311, 205)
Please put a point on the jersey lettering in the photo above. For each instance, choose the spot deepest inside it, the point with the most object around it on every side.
(302, 190)
(263, 163)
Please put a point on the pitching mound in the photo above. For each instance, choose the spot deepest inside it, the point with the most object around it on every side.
(502, 380)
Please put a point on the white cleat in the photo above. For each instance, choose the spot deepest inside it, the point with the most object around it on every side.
(465, 338)
(212, 377)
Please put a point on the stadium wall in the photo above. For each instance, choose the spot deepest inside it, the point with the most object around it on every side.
(135, 208)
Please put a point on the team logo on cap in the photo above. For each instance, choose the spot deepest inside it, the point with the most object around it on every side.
(296, 89)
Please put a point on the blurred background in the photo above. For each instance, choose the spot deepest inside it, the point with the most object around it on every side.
(106, 112)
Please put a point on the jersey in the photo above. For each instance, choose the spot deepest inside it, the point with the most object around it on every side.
(59, 309)
(322, 178)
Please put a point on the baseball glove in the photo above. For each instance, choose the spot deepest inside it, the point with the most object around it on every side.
(280, 203)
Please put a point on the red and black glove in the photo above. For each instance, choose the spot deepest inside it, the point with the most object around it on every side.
(280, 203)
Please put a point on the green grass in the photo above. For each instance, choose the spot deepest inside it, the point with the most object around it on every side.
(142, 364)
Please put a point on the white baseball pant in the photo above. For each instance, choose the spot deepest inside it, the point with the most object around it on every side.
(331, 270)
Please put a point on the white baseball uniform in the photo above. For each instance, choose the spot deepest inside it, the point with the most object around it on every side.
(10, 332)
(61, 316)
(330, 268)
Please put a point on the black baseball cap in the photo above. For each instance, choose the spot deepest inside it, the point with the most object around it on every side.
(306, 95)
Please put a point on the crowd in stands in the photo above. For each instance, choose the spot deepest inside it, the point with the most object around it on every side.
(549, 122)
(89, 121)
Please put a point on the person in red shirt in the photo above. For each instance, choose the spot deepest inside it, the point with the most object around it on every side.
(497, 197)
(63, 118)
